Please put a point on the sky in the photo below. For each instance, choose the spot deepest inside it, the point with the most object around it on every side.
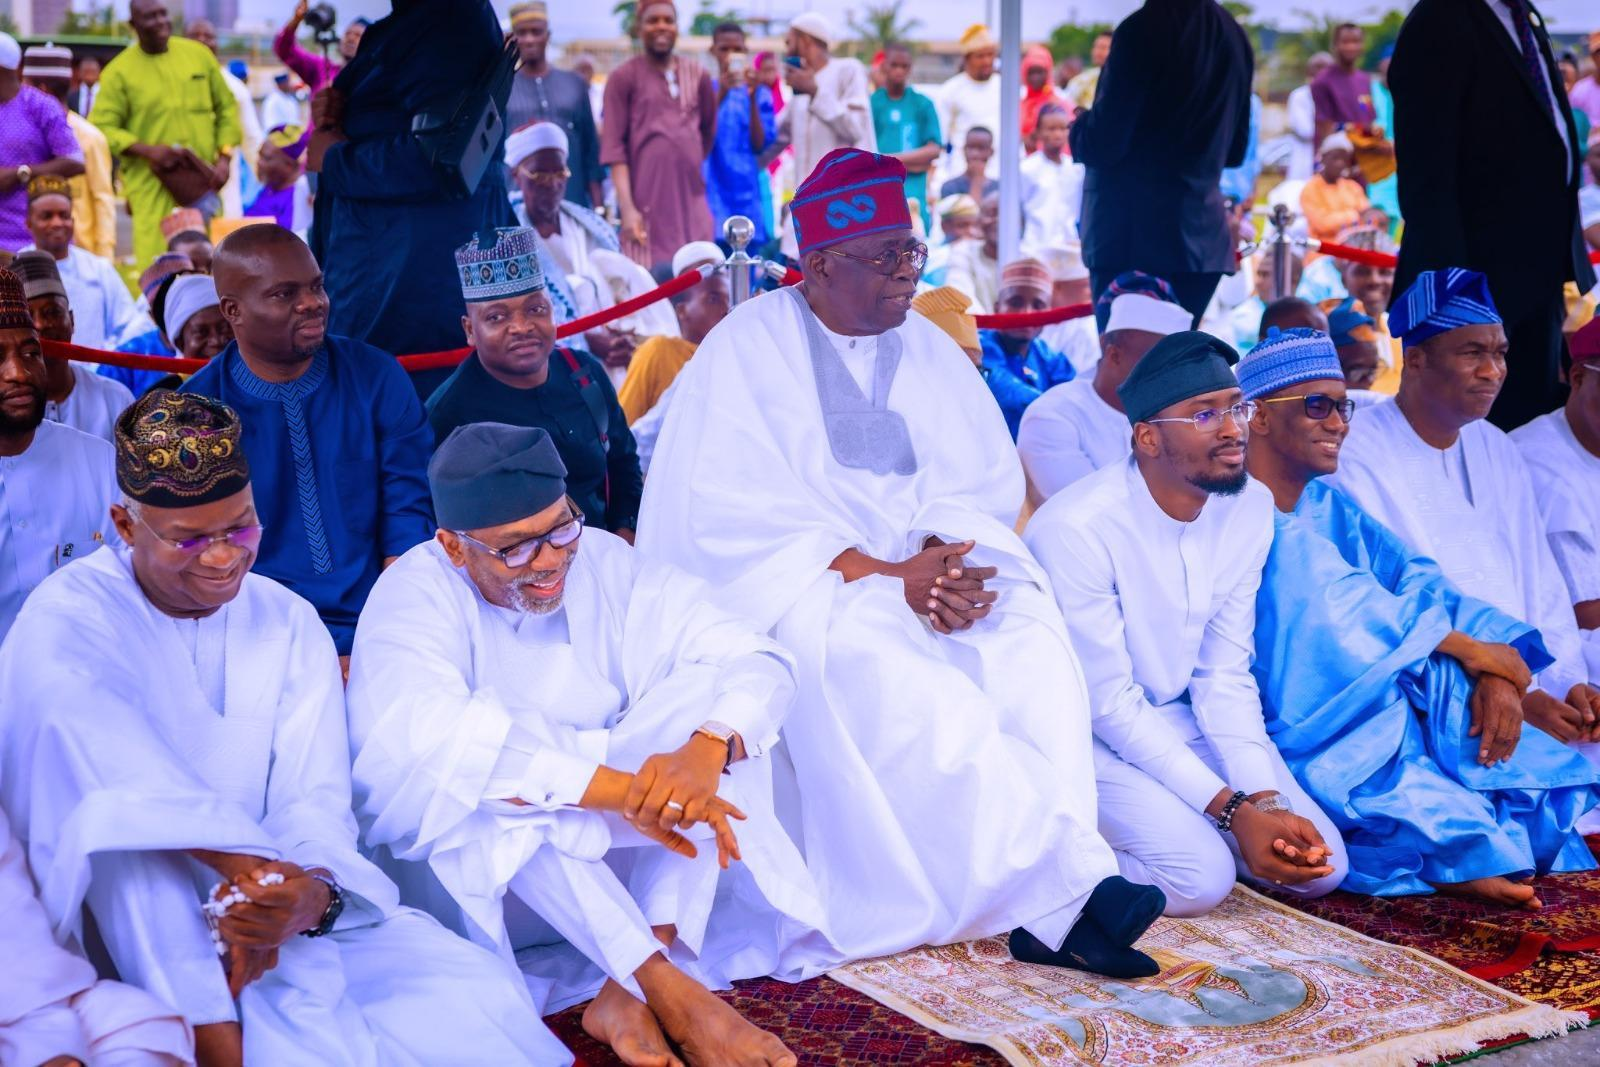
(593, 18)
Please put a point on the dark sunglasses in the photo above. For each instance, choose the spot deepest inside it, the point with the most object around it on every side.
(1320, 405)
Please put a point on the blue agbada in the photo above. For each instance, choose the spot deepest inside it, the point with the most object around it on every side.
(1017, 380)
(1374, 724)
(338, 461)
(384, 221)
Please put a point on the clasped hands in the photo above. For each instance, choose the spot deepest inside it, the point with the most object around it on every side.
(1278, 846)
(1503, 698)
(253, 930)
(941, 586)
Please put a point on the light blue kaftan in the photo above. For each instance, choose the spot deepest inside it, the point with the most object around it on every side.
(1373, 722)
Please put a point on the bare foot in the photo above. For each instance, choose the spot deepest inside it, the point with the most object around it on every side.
(1495, 890)
(620, 1020)
(709, 1031)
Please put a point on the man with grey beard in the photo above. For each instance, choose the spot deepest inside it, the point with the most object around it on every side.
(563, 740)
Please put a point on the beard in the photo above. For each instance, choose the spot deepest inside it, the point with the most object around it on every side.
(10, 425)
(519, 599)
(1223, 484)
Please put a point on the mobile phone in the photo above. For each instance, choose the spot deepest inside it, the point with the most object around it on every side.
(794, 61)
(737, 61)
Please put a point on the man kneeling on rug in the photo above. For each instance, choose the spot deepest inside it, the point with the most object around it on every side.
(1396, 700)
(1155, 563)
(558, 738)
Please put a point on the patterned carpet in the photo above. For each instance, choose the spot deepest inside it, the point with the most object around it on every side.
(1550, 956)
(822, 1021)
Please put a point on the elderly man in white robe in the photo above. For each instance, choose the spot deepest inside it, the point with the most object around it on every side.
(583, 263)
(1155, 563)
(855, 489)
(1077, 427)
(1431, 468)
(194, 772)
(52, 1009)
(1562, 451)
(543, 732)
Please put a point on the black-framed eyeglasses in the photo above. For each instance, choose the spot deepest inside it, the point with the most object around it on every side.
(562, 535)
(889, 262)
(245, 537)
(1319, 405)
(1210, 420)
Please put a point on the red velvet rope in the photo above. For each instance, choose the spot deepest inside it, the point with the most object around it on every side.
(687, 280)
(165, 364)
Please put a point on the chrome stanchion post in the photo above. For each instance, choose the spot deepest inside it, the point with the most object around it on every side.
(738, 231)
(1282, 269)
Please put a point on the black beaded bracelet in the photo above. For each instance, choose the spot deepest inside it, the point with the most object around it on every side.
(1225, 817)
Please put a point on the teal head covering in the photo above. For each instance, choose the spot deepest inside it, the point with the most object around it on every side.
(488, 474)
(1177, 367)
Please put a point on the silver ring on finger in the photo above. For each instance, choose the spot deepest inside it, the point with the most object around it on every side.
(674, 805)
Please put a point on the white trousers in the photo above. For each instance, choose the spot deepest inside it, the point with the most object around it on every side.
(1161, 841)
(402, 990)
(605, 908)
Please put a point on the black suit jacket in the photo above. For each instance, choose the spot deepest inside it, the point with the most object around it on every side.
(1171, 110)
(1484, 180)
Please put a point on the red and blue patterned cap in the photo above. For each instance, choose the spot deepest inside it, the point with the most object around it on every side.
(851, 193)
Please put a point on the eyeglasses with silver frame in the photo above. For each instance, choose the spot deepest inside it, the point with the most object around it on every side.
(1210, 420)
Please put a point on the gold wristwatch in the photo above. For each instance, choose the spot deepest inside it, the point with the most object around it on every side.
(721, 732)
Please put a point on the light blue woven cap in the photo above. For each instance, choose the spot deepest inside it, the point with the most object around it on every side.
(500, 264)
(1285, 358)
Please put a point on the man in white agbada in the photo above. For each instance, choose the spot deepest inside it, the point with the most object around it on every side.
(75, 395)
(52, 1009)
(855, 490)
(544, 732)
(205, 740)
(1431, 468)
(584, 268)
(972, 96)
(56, 483)
(1562, 451)
(104, 312)
(1155, 563)
(1078, 427)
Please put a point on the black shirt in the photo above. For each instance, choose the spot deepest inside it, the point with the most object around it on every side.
(472, 394)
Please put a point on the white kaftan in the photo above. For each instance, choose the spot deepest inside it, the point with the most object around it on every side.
(1078, 339)
(104, 313)
(1163, 613)
(55, 506)
(1051, 203)
(941, 786)
(225, 733)
(93, 405)
(50, 1003)
(457, 705)
(1471, 508)
(1069, 433)
(837, 115)
(1566, 482)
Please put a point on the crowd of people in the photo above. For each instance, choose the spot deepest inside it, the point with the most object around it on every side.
(349, 715)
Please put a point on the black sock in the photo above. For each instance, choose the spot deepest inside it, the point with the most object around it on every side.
(1087, 948)
(1124, 909)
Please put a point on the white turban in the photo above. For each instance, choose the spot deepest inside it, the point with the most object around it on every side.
(694, 253)
(10, 52)
(815, 25)
(1139, 311)
(520, 144)
(1337, 141)
(189, 293)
